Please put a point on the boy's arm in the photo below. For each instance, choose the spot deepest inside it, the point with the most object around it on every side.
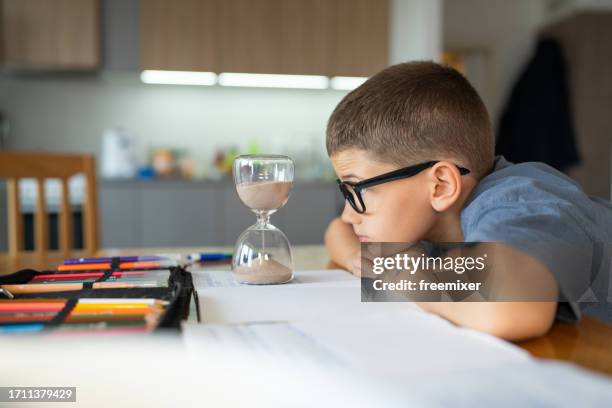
(507, 320)
(343, 245)
(517, 276)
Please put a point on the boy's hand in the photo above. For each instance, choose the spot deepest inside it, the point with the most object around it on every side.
(354, 263)
(343, 246)
(359, 261)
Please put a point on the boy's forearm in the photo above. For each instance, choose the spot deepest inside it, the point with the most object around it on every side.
(341, 242)
(516, 276)
(507, 320)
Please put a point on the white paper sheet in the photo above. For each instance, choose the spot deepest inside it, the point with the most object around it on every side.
(404, 343)
(280, 340)
(315, 278)
(320, 316)
(388, 345)
(311, 295)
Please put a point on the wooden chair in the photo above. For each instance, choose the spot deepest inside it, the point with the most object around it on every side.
(40, 166)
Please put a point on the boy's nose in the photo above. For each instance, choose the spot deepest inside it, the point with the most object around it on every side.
(349, 215)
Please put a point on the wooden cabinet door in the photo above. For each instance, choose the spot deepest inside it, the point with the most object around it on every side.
(361, 37)
(307, 26)
(51, 33)
(179, 35)
(276, 36)
(251, 36)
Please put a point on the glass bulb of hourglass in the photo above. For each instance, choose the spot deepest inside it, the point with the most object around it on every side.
(263, 253)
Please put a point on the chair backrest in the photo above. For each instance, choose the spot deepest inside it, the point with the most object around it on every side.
(41, 166)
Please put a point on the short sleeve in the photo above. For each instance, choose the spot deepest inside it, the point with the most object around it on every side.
(549, 234)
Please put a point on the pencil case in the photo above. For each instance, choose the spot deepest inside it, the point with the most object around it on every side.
(177, 292)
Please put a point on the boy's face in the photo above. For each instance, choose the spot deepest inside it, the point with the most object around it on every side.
(397, 211)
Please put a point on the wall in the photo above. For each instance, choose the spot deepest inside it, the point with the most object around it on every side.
(503, 30)
(559, 10)
(586, 38)
(416, 30)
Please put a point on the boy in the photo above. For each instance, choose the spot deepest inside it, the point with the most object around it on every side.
(427, 124)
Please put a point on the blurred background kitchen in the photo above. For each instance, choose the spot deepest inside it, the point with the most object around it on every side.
(99, 76)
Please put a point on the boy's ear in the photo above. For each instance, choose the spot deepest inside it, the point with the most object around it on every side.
(445, 182)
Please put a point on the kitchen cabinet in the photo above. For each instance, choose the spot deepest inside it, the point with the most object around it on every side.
(318, 37)
(167, 213)
(172, 213)
(361, 37)
(276, 36)
(250, 36)
(118, 209)
(179, 35)
(55, 34)
(307, 27)
(178, 214)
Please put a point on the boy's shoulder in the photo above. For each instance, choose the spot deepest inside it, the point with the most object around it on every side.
(534, 195)
(526, 182)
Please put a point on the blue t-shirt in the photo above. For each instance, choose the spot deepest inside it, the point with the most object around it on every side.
(544, 213)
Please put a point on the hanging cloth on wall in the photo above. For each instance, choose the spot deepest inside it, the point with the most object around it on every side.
(537, 123)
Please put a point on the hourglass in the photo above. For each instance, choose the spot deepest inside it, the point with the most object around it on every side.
(263, 254)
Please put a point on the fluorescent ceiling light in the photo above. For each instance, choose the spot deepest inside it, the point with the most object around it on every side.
(178, 77)
(274, 80)
(250, 80)
(343, 83)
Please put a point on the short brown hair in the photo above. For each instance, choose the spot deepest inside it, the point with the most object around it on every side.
(413, 112)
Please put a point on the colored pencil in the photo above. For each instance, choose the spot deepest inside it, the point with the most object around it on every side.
(19, 328)
(107, 318)
(101, 325)
(14, 301)
(210, 257)
(83, 275)
(123, 266)
(20, 318)
(66, 287)
(31, 307)
(85, 267)
(146, 301)
(75, 261)
(111, 331)
(112, 311)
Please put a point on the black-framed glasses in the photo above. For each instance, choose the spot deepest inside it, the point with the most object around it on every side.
(352, 191)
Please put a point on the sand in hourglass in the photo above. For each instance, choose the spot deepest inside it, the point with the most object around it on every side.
(264, 195)
(262, 272)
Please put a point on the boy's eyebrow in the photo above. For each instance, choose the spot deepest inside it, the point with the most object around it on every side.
(350, 176)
